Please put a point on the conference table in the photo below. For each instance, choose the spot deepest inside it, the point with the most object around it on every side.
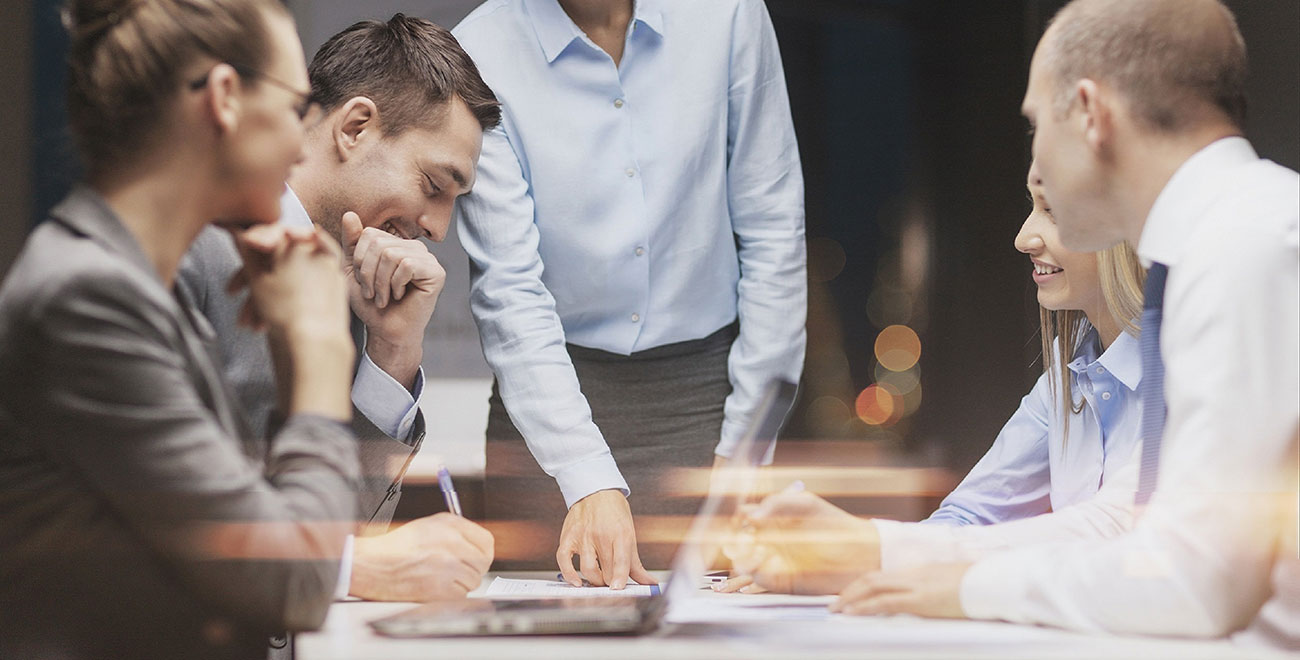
(773, 626)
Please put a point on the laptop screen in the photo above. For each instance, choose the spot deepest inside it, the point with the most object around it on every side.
(732, 487)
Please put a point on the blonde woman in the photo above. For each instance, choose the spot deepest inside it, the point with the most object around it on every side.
(1074, 433)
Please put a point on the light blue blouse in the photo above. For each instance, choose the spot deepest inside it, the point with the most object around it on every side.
(1032, 467)
(628, 207)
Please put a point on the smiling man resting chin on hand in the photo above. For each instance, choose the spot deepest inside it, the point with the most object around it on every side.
(396, 140)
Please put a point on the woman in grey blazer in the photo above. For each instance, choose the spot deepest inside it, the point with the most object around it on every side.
(131, 524)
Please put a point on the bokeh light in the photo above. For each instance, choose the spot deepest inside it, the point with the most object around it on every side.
(898, 348)
(875, 405)
(901, 382)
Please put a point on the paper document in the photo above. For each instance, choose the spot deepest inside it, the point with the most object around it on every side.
(709, 607)
(511, 588)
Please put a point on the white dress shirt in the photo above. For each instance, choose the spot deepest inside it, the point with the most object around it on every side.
(664, 197)
(1034, 468)
(1217, 539)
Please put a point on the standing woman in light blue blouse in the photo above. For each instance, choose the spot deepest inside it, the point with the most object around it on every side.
(1074, 433)
(636, 249)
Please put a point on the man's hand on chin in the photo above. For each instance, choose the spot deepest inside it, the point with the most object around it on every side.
(439, 556)
(599, 530)
(393, 287)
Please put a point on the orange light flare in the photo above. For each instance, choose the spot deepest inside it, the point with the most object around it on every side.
(878, 406)
(898, 348)
(827, 481)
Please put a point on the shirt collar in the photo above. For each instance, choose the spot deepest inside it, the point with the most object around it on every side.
(1122, 359)
(292, 212)
(555, 30)
(1181, 205)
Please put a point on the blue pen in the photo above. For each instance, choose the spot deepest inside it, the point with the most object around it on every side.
(448, 491)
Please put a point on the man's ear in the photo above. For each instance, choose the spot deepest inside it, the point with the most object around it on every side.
(222, 100)
(1097, 114)
(356, 124)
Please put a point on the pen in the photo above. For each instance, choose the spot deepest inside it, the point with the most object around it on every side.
(448, 491)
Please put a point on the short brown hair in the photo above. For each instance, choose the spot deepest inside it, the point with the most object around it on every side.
(410, 67)
(1168, 57)
(127, 57)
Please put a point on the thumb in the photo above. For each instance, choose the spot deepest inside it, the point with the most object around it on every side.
(352, 229)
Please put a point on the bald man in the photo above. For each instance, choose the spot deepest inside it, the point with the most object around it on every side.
(1138, 107)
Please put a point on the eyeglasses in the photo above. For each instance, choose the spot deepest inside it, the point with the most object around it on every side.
(304, 106)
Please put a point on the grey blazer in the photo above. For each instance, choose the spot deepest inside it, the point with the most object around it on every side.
(131, 522)
(208, 266)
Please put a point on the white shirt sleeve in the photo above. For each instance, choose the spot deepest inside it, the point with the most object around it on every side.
(765, 193)
(384, 401)
(523, 339)
(1109, 513)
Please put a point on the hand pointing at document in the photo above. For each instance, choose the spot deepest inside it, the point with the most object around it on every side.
(599, 530)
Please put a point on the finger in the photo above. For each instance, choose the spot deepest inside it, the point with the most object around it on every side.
(401, 277)
(367, 263)
(352, 229)
(773, 574)
(476, 534)
(881, 604)
(390, 258)
(619, 561)
(466, 578)
(468, 555)
(328, 244)
(733, 584)
(590, 565)
(638, 572)
(866, 586)
(564, 558)
(264, 239)
(473, 556)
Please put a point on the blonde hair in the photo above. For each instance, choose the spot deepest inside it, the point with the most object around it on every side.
(1122, 278)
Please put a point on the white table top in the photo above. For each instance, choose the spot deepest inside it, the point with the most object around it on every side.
(347, 635)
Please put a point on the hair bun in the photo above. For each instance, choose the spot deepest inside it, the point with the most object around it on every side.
(89, 18)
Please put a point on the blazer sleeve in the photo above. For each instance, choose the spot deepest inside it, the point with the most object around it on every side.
(123, 409)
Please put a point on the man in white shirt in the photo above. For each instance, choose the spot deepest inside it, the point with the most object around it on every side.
(1138, 108)
(404, 112)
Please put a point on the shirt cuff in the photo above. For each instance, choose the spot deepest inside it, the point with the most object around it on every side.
(906, 545)
(384, 401)
(731, 435)
(588, 476)
(345, 570)
(991, 586)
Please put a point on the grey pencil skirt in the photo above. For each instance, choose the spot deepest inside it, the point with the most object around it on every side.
(659, 410)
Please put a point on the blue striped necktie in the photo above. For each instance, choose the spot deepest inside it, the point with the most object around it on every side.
(1151, 391)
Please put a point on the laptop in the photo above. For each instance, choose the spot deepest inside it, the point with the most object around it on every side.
(615, 614)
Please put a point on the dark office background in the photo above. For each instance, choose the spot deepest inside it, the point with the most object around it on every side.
(914, 155)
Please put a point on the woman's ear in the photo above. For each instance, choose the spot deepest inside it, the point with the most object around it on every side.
(356, 124)
(223, 98)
